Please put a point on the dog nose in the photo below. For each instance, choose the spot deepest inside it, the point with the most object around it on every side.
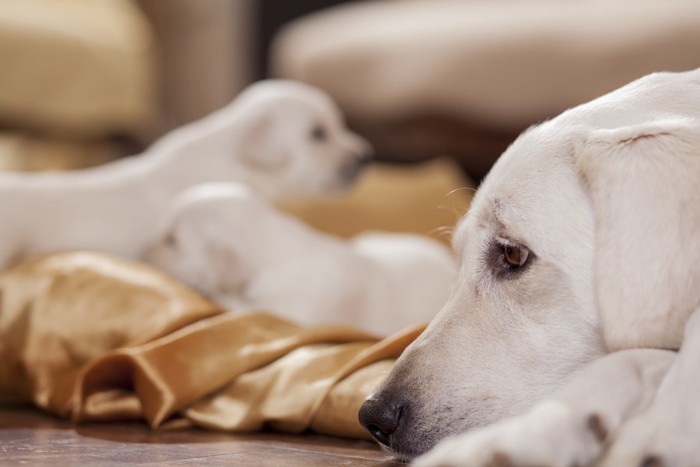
(380, 419)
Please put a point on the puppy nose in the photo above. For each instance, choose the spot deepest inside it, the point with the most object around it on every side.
(366, 155)
(380, 419)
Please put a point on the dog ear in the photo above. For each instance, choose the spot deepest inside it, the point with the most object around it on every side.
(644, 184)
(261, 149)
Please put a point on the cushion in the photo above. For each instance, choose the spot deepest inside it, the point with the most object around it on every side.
(75, 67)
(505, 63)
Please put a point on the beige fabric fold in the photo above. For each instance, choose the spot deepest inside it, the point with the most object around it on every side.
(92, 337)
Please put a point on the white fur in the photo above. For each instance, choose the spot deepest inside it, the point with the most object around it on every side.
(670, 428)
(570, 428)
(264, 139)
(233, 246)
(607, 199)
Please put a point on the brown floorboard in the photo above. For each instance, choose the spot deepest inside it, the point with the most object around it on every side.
(28, 437)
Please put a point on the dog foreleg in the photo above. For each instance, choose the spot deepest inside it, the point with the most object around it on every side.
(570, 428)
(668, 433)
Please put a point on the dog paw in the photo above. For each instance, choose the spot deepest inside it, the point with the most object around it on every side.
(666, 434)
(656, 438)
(466, 451)
(550, 435)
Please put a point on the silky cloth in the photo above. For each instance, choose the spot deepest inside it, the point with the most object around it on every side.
(93, 337)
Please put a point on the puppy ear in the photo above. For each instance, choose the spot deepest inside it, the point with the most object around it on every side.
(261, 149)
(644, 184)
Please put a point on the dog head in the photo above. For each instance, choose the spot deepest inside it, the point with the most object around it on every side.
(574, 245)
(285, 139)
(521, 315)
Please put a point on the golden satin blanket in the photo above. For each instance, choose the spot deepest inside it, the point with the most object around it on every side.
(92, 337)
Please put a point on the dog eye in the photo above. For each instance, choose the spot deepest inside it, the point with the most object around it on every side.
(318, 133)
(515, 255)
(508, 258)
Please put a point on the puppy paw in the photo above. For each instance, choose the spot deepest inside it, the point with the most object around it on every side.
(550, 435)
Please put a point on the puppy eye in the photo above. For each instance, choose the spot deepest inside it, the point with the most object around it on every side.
(170, 240)
(318, 133)
(515, 255)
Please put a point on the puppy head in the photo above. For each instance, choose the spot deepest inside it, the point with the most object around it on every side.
(522, 314)
(236, 248)
(201, 241)
(293, 141)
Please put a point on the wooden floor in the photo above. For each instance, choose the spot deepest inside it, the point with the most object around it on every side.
(31, 438)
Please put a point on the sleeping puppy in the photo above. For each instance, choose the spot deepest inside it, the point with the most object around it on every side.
(234, 247)
(281, 138)
(583, 241)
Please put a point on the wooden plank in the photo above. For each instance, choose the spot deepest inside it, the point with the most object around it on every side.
(30, 437)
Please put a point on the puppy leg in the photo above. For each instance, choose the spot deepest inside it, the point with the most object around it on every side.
(668, 433)
(572, 427)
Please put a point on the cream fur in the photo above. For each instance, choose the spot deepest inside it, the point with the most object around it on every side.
(264, 139)
(238, 249)
(606, 198)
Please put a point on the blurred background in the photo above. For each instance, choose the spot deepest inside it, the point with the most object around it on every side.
(87, 81)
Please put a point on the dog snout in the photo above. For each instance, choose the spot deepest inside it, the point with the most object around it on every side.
(381, 419)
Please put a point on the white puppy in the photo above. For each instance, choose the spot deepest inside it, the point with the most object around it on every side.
(239, 250)
(283, 139)
(583, 240)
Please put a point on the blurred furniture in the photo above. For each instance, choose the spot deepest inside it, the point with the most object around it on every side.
(206, 54)
(271, 15)
(423, 78)
(74, 74)
(84, 82)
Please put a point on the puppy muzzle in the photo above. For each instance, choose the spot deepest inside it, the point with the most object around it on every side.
(352, 170)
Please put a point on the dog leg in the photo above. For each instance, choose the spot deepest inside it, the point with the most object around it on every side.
(572, 427)
(668, 433)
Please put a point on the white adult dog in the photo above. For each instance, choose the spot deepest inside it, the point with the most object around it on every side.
(583, 241)
(239, 250)
(281, 138)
